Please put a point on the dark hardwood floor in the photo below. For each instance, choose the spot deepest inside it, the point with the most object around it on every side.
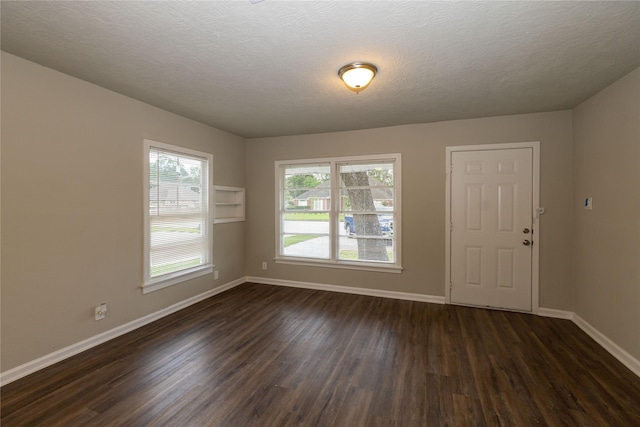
(261, 355)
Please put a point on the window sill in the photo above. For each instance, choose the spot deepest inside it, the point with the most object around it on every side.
(381, 268)
(164, 282)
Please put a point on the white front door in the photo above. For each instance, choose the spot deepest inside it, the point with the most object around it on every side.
(492, 228)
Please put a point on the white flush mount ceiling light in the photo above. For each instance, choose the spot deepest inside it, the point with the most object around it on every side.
(357, 75)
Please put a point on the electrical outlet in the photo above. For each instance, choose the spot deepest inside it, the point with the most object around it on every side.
(101, 311)
(588, 203)
(264, 265)
(215, 274)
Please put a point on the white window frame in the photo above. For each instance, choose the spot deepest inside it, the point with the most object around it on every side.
(150, 284)
(334, 221)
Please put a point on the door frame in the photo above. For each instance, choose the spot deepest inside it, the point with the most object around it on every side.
(535, 214)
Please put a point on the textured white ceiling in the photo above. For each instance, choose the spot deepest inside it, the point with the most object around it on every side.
(270, 68)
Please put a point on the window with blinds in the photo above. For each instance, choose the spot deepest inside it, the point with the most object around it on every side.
(341, 212)
(178, 215)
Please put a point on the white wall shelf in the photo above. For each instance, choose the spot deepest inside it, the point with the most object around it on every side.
(229, 204)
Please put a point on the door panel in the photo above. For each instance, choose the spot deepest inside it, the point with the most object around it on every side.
(491, 208)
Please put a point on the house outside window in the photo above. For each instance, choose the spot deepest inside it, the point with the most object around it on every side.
(340, 212)
(178, 215)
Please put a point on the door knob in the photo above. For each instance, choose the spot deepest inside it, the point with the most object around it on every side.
(525, 231)
(526, 242)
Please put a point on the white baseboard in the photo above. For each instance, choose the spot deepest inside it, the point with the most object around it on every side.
(616, 351)
(348, 290)
(64, 353)
(556, 314)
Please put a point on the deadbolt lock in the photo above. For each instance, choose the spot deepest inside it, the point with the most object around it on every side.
(526, 231)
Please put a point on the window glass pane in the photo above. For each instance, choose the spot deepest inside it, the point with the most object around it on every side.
(382, 199)
(306, 222)
(306, 245)
(307, 188)
(361, 249)
(366, 174)
(367, 238)
(366, 187)
(369, 225)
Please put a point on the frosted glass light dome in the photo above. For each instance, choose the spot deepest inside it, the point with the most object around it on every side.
(358, 75)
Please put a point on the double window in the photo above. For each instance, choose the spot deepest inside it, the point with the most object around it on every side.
(340, 212)
(178, 215)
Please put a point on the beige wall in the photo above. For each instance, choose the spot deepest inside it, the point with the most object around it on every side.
(607, 238)
(72, 208)
(423, 210)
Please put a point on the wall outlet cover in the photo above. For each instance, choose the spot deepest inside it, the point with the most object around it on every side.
(100, 311)
(588, 203)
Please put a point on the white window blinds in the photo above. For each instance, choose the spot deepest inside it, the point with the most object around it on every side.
(178, 217)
